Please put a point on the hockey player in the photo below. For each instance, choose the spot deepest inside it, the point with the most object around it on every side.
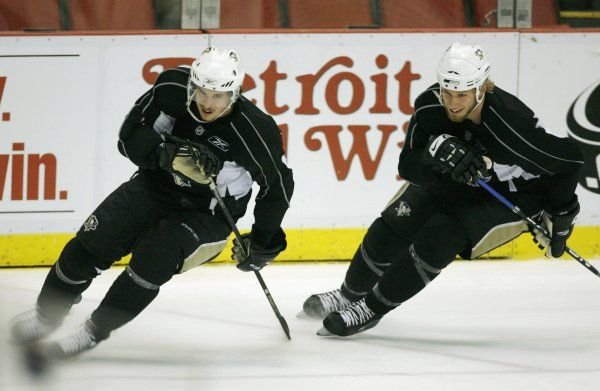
(463, 128)
(165, 215)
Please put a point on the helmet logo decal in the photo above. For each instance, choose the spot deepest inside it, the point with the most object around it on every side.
(479, 53)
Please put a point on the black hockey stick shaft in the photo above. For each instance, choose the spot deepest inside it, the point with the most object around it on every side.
(238, 236)
(535, 225)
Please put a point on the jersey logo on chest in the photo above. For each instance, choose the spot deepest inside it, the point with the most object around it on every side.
(199, 130)
(219, 143)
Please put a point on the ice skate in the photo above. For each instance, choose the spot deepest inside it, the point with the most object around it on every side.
(31, 326)
(39, 357)
(354, 319)
(80, 341)
(320, 305)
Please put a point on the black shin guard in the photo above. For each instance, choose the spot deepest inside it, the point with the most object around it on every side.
(359, 278)
(403, 280)
(57, 296)
(372, 258)
(419, 264)
(126, 299)
(68, 278)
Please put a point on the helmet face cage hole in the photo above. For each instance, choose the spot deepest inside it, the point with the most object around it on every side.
(193, 90)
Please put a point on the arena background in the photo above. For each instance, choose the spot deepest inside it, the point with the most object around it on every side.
(341, 97)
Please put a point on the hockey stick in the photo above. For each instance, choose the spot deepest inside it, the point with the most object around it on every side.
(238, 236)
(535, 225)
(236, 232)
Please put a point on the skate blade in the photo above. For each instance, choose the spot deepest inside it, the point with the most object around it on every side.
(323, 332)
(35, 361)
(303, 315)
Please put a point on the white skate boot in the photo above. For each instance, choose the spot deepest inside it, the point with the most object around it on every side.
(80, 341)
(320, 305)
(31, 326)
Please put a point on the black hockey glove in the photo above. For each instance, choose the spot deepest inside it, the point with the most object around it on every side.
(206, 160)
(449, 154)
(559, 223)
(254, 256)
(196, 162)
(166, 152)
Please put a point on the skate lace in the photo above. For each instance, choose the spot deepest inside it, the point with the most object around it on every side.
(357, 313)
(78, 342)
(333, 301)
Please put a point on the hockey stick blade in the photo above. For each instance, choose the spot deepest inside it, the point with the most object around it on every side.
(280, 318)
(236, 232)
(323, 332)
(535, 225)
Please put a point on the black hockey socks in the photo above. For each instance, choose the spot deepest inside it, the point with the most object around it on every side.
(403, 280)
(372, 258)
(435, 247)
(68, 278)
(359, 277)
(126, 299)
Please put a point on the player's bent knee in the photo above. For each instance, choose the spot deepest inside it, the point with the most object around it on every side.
(382, 243)
(157, 260)
(76, 265)
(140, 281)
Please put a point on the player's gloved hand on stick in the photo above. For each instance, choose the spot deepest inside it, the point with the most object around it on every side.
(559, 223)
(450, 154)
(206, 160)
(196, 162)
(255, 256)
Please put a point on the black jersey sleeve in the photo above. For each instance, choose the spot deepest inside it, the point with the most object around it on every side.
(261, 153)
(420, 129)
(410, 166)
(153, 113)
(137, 138)
(556, 160)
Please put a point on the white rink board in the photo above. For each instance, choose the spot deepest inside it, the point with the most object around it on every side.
(319, 196)
(72, 108)
(554, 70)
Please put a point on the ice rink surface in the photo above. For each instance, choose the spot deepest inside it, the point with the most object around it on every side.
(481, 325)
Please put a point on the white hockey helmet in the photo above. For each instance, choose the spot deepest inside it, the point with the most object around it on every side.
(462, 68)
(217, 70)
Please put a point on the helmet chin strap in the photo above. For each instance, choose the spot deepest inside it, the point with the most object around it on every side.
(478, 98)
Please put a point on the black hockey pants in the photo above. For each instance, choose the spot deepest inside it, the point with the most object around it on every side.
(419, 233)
(161, 236)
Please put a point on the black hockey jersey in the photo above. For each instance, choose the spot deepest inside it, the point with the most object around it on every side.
(247, 140)
(525, 156)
